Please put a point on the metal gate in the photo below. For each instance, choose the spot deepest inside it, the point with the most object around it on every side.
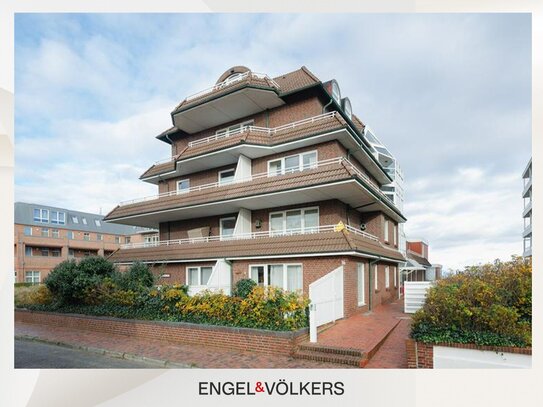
(326, 295)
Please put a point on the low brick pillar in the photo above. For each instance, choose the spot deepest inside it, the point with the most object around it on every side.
(419, 355)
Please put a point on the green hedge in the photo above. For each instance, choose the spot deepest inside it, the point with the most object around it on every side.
(489, 304)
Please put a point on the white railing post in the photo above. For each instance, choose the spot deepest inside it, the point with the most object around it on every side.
(312, 323)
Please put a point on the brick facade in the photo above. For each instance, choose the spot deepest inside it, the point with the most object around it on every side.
(242, 339)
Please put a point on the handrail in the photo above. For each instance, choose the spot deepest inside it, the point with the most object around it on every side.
(252, 235)
(318, 164)
(268, 130)
(227, 82)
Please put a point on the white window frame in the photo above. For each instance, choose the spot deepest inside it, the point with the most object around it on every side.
(43, 215)
(70, 235)
(395, 237)
(387, 277)
(376, 277)
(84, 220)
(55, 232)
(56, 220)
(75, 219)
(222, 172)
(97, 222)
(300, 163)
(183, 191)
(32, 276)
(226, 131)
(284, 216)
(285, 275)
(361, 289)
(99, 237)
(42, 232)
(386, 231)
(86, 236)
(395, 271)
(199, 268)
(221, 228)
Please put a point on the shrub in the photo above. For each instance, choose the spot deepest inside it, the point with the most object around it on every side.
(35, 294)
(137, 278)
(244, 287)
(487, 305)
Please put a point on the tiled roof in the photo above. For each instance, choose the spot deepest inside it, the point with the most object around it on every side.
(419, 259)
(358, 123)
(251, 137)
(325, 174)
(298, 79)
(266, 246)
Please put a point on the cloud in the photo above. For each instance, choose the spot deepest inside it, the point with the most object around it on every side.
(450, 96)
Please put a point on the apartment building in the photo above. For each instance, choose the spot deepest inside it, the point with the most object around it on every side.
(47, 235)
(417, 266)
(527, 212)
(271, 179)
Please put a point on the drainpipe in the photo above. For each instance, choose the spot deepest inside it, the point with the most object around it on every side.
(325, 106)
(372, 289)
(171, 142)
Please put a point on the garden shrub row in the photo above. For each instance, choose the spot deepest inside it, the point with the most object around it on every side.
(489, 304)
(94, 287)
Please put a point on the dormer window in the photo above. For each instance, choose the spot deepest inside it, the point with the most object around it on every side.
(41, 215)
(336, 93)
(58, 218)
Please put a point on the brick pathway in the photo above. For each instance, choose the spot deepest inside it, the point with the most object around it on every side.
(392, 354)
(197, 356)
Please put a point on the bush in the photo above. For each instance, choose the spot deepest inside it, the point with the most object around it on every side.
(486, 305)
(137, 278)
(30, 295)
(243, 288)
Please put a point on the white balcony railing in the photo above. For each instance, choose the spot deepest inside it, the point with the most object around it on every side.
(254, 235)
(267, 130)
(229, 81)
(213, 185)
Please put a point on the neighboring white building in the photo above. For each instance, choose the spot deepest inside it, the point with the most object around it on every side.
(395, 190)
(527, 211)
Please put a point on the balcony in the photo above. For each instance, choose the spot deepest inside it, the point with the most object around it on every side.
(323, 239)
(527, 231)
(527, 187)
(527, 209)
(254, 142)
(245, 94)
(335, 178)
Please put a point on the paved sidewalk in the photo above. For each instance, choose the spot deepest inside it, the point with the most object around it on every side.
(392, 354)
(193, 355)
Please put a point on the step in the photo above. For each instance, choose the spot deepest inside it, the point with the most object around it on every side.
(315, 347)
(329, 357)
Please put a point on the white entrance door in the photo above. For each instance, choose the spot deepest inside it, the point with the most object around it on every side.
(326, 295)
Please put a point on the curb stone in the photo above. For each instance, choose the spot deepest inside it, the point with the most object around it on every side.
(105, 352)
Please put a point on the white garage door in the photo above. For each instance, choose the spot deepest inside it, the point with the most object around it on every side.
(327, 295)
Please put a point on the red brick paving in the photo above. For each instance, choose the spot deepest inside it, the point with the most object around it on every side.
(198, 356)
(392, 354)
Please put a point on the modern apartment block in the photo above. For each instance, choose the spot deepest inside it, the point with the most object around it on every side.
(418, 267)
(46, 235)
(271, 179)
(527, 212)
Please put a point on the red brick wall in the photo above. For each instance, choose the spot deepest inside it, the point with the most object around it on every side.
(421, 355)
(242, 339)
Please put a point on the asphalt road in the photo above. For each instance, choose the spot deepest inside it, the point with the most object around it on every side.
(36, 355)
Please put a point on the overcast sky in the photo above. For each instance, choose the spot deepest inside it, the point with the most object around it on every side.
(450, 95)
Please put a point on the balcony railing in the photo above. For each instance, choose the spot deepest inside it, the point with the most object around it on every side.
(288, 171)
(267, 130)
(254, 235)
(227, 82)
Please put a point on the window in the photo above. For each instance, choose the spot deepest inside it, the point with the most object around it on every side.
(71, 253)
(55, 252)
(75, 219)
(32, 277)
(199, 275)
(86, 236)
(28, 251)
(70, 234)
(294, 221)
(127, 239)
(286, 276)
(118, 239)
(84, 220)
(45, 232)
(227, 226)
(99, 237)
(395, 271)
(87, 253)
(28, 231)
(183, 186)
(336, 94)
(226, 176)
(236, 128)
(41, 215)
(387, 277)
(56, 233)
(58, 218)
(293, 163)
(395, 237)
(360, 286)
(375, 275)
(45, 252)
(151, 240)
(97, 222)
(386, 231)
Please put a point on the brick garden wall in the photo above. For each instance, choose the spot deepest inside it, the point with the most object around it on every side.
(421, 355)
(242, 339)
